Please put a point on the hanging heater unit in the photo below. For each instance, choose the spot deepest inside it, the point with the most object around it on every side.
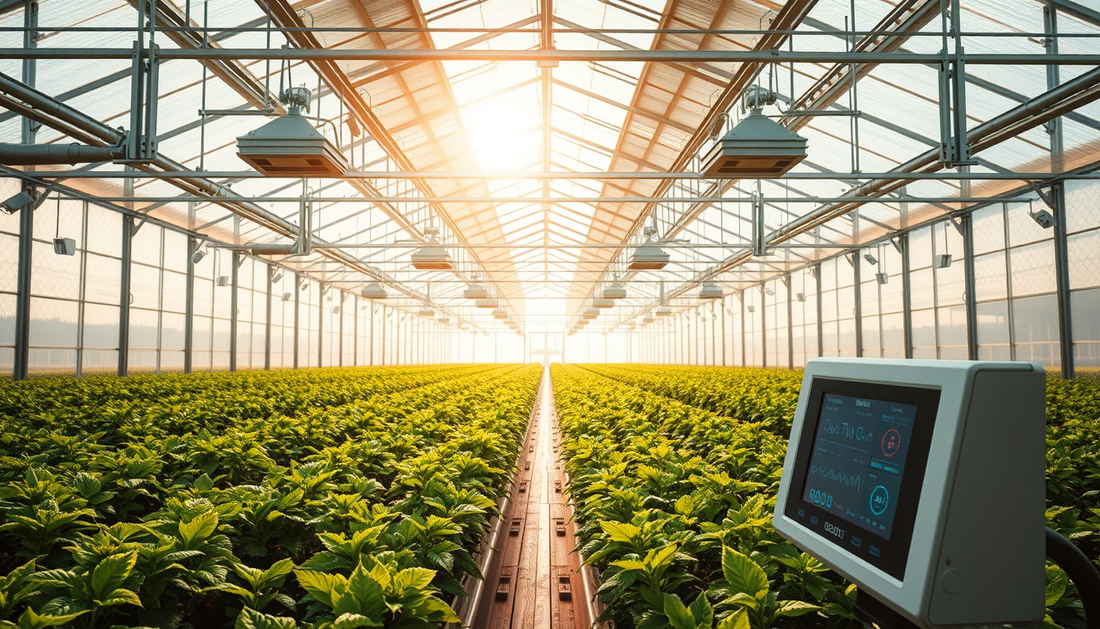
(475, 291)
(600, 302)
(615, 291)
(710, 290)
(590, 314)
(432, 257)
(648, 257)
(289, 146)
(756, 147)
(488, 302)
(373, 290)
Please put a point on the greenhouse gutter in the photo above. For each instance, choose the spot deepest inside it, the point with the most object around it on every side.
(1066, 97)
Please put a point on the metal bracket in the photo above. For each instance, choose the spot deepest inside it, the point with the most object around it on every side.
(137, 226)
(897, 244)
(1043, 195)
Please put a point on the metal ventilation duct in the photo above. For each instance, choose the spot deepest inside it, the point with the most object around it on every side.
(710, 290)
(648, 257)
(756, 147)
(432, 257)
(289, 146)
(615, 291)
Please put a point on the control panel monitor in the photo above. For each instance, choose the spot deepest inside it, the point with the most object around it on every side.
(911, 478)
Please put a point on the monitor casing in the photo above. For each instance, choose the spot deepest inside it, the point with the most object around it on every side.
(976, 555)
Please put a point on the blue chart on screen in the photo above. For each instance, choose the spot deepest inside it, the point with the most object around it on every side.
(858, 460)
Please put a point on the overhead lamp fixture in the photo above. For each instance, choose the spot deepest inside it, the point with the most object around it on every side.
(444, 320)
(16, 202)
(1043, 218)
(488, 302)
(432, 256)
(286, 297)
(882, 277)
(500, 313)
(475, 291)
(630, 327)
(870, 258)
(289, 146)
(304, 284)
(198, 256)
(710, 290)
(755, 147)
(769, 291)
(800, 297)
(336, 309)
(590, 314)
(615, 291)
(942, 260)
(64, 246)
(277, 276)
(426, 311)
(648, 257)
(223, 280)
(648, 318)
(750, 308)
(600, 302)
(373, 290)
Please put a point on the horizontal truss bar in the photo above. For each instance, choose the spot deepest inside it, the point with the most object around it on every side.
(214, 31)
(538, 199)
(601, 56)
(560, 176)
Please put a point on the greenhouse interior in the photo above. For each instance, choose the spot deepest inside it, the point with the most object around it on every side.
(615, 314)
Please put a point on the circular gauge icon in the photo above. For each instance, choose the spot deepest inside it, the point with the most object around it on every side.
(891, 442)
(880, 499)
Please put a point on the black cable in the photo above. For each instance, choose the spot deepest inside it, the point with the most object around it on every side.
(1081, 571)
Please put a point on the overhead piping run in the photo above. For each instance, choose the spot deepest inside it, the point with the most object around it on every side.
(44, 154)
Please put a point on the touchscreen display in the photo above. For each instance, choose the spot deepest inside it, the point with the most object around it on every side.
(858, 460)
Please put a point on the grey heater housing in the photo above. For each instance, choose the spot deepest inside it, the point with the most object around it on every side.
(756, 147)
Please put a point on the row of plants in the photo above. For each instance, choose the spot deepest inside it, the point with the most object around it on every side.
(769, 396)
(317, 498)
(674, 502)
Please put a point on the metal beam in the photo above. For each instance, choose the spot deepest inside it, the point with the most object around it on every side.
(331, 55)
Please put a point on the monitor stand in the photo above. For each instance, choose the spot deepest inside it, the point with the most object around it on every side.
(869, 609)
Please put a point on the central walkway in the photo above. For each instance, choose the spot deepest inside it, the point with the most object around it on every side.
(535, 581)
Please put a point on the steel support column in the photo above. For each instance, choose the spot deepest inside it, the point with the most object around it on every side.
(790, 325)
(83, 294)
(189, 309)
(267, 323)
(297, 309)
(906, 297)
(970, 287)
(820, 328)
(233, 304)
(1061, 268)
(124, 296)
(321, 326)
(26, 216)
